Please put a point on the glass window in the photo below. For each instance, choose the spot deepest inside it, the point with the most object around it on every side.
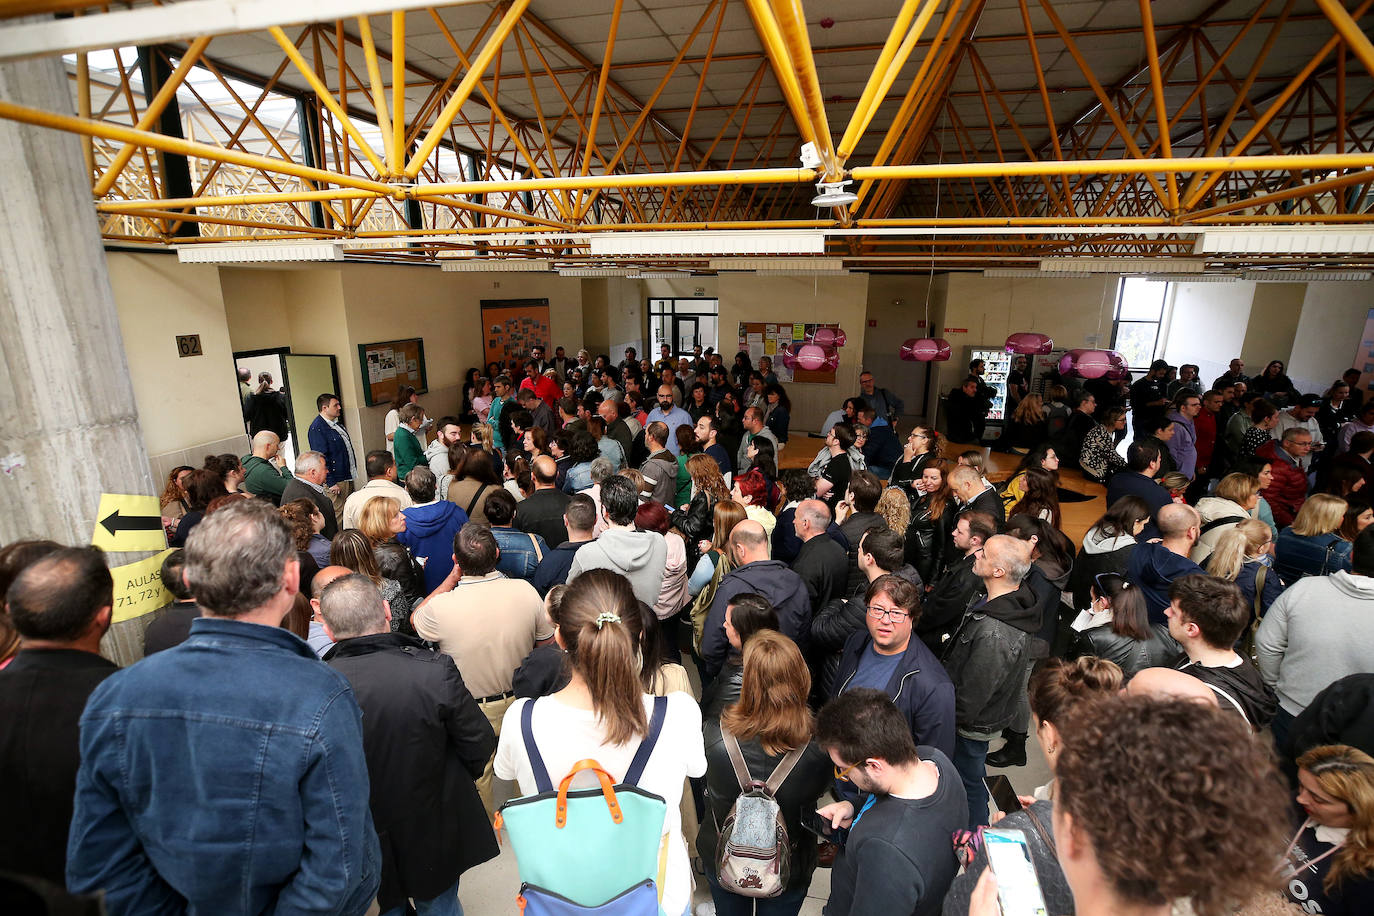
(1139, 312)
(683, 324)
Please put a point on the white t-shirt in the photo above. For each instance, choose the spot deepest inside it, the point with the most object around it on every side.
(566, 735)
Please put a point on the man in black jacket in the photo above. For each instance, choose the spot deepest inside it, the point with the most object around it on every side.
(60, 604)
(821, 562)
(425, 740)
(541, 512)
(971, 492)
(986, 660)
(862, 496)
(885, 657)
(311, 472)
(951, 594)
(1069, 445)
(579, 518)
(1206, 617)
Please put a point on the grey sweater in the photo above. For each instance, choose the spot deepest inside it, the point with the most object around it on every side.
(1318, 631)
(640, 556)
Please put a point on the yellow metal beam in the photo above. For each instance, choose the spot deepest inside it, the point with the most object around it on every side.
(374, 79)
(1350, 30)
(766, 24)
(791, 20)
(587, 182)
(327, 97)
(121, 134)
(465, 87)
(890, 62)
(398, 86)
(153, 112)
(1208, 164)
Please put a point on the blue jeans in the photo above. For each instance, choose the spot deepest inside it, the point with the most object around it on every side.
(446, 904)
(788, 903)
(970, 759)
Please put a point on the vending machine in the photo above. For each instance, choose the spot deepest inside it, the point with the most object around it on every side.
(996, 367)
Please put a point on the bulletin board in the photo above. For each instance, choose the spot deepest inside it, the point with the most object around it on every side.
(389, 365)
(510, 327)
(762, 338)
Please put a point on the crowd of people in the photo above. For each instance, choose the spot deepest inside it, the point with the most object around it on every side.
(372, 651)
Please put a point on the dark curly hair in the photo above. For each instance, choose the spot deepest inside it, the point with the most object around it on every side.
(1178, 800)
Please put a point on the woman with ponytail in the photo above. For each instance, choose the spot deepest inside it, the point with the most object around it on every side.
(603, 714)
(1117, 628)
(1244, 554)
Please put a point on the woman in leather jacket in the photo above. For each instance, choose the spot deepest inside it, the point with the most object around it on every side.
(921, 447)
(696, 521)
(1119, 629)
(932, 517)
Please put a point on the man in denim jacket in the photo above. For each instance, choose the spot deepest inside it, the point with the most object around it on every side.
(226, 774)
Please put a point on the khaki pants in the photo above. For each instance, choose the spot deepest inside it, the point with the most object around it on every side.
(345, 488)
(495, 711)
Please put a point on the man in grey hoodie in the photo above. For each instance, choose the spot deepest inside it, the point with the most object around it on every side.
(660, 471)
(1317, 632)
(639, 556)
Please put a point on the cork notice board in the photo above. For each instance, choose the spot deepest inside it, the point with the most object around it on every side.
(510, 327)
(389, 365)
(762, 338)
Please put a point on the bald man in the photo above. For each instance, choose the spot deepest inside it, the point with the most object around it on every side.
(1155, 565)
(755, 573)
(318, 639)
(1166, 682)
(263, 473)
(542, 511)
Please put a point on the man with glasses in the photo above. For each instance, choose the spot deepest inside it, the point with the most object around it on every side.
(885, 657)
(986, 659)
(1287, 489)
(897, 857)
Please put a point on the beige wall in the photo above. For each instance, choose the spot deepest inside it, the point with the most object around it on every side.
(188, 406)
(842, 300)
(255, 301)
(1273, 323)
(1328, 333)
(898, 305)
(1207, 325)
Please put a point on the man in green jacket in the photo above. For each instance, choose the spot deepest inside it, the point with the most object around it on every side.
(410, 451)
(261, 475)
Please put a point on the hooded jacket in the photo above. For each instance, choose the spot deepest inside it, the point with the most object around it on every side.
(772, 579)
(920, 688)
(1183, 444)
(1154, 567)
(986, 660)
(1131, 655)
(944, 606)
(1214, 509)
(1320, 630)
(429, 533)
(1100, 553)
(841, 618)
(640, 556)
(1240, 689)
(660, 473)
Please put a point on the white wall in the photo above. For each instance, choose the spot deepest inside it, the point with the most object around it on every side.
(1329, 332)
(1207, 324)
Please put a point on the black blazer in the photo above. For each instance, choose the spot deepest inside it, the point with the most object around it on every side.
(426, 740)
(541, 513)
(296, 489)
(42, 695)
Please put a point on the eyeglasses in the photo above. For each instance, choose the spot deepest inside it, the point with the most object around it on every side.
(844, 774)
(878, 612)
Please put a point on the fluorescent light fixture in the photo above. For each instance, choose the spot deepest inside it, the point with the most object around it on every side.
(661, 275)
(1279, 275)
(790, 265)
(1125, 265)
(1203, 278)
(802, 241)
(1304, 240)
(259, 252)
(594, 271)
(1023, 273)
(497, 265)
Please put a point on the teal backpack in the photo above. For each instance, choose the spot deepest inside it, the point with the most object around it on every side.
(588, 851)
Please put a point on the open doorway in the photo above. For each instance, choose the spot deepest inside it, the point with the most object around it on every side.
(283, 388)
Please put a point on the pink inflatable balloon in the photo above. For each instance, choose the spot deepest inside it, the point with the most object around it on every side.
(811, 357)
(1030, 343)
(925, 350)
(1068, 362)
(1093, 364)
(827, 337)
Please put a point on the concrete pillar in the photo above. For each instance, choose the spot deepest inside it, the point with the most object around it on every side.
(69, 427)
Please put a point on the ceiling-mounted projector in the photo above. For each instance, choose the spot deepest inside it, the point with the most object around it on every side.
(832, 194)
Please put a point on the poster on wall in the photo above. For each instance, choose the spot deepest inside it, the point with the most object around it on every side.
(388, 365)
(510, 328)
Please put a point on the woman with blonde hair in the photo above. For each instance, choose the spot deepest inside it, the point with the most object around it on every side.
(603, 714)
(770, 724)
(715, 562)
(1312, 546)
(1328, 866)
(1244, 555)
(1028, 427)
(1235, 499)
(895, 509)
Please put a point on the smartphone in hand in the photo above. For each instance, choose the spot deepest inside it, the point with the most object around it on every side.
(820, 826)
(1009, 857)
(1003, 795)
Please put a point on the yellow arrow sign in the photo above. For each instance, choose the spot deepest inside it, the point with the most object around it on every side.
(128, 522)
(138, 587)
